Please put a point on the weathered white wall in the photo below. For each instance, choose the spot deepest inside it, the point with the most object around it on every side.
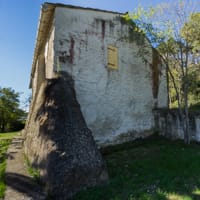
(49, 54)
(39, 75)
(117, 105)
(44, 65)
(170, 126)
(163, 93)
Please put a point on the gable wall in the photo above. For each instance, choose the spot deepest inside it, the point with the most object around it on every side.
(117, 104)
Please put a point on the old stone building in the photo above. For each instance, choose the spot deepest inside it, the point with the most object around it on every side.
(113, 72)
(116, 99)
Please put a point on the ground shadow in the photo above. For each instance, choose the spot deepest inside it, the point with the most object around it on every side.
(26, 185)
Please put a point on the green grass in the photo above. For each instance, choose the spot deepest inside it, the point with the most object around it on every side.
(35, 173)
(8, 135)
(195, 107)
(5, 139)
(153, 169)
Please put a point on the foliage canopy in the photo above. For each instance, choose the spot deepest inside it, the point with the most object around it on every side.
(174, 31)
(12, 117)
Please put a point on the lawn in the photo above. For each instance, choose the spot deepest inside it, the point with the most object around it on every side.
(8, 135)
(5, 139)
(153, 169)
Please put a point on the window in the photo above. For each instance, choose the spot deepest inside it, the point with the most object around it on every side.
(112, 57)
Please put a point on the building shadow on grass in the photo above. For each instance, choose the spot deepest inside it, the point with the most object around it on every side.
(25, 185)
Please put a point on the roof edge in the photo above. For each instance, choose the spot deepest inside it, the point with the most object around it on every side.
(47, 10)
(82, 8)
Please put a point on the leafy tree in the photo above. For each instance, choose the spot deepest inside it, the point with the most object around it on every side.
(166, 28)
(12, 118)
(191, 32)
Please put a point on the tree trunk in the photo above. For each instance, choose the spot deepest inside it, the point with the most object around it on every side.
(186, 132)
(3, 125)
(185, 126)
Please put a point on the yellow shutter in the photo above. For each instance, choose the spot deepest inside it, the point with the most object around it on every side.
(112, 57)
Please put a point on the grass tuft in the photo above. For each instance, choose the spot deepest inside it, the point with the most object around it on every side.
(35, 173)
(5, 139)
(3, 148)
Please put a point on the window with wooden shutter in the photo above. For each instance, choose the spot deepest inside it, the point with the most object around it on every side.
(112, 57)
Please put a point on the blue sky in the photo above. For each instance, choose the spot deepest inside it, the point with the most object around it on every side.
(18, 27)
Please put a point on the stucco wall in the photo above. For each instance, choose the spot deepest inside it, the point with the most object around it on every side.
(49, 54)
(117, 104)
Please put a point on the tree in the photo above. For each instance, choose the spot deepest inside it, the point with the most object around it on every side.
(191, 33)
(166, 28)
(12, 117)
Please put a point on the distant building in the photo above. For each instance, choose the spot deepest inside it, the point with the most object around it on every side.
(116, 85)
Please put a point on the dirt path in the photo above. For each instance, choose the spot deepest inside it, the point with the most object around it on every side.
(20, 185)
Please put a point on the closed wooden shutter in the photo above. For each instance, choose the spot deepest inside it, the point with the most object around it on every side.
(112, 57)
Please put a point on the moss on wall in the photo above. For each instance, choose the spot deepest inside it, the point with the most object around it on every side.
(135, 34)
(138, 36)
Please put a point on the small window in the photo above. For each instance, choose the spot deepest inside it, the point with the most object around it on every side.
(112, 57)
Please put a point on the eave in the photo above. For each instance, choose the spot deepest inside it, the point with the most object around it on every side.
(45, 22)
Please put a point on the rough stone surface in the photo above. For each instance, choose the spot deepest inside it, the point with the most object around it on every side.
(59, 143)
